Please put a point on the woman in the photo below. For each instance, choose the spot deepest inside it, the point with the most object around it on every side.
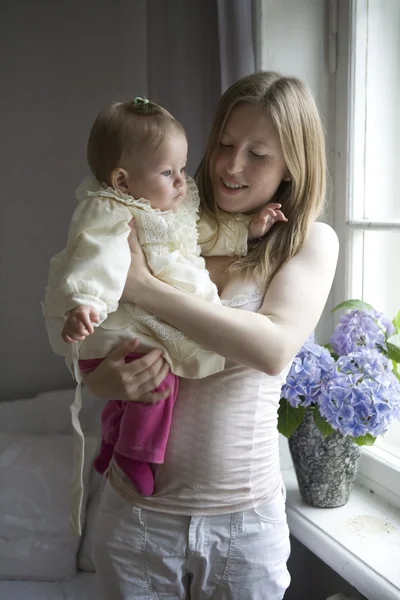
(215, 526)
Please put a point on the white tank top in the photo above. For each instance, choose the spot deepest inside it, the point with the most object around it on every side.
(222, 453)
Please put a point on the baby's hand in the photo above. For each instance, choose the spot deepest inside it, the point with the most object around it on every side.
(265, 219)
(79, 324)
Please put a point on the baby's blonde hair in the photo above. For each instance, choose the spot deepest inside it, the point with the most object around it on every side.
(289, 104)
(124, 128)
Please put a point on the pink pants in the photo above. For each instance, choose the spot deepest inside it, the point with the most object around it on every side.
(137, 430)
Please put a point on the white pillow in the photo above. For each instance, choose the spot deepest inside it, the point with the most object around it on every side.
(35, 484)
(48, 412)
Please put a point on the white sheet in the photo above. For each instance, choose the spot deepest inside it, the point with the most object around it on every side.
(82, 587)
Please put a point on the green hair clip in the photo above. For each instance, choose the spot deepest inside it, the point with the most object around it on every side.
(139, 100)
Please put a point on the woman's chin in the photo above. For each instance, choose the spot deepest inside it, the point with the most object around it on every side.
(230, 203)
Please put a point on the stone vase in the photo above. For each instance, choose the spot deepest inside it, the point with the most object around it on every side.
(326, 467)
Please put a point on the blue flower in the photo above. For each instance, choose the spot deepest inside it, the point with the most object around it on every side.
(359, 328)
(355, 390)
(306, 374)
(360, 394)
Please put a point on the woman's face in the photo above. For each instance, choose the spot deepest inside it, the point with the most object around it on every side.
(248, 166)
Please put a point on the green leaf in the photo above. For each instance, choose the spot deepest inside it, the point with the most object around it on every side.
(396, 322)
(393, 352)
(365, 440)
(289, 418)
(395, 370)
(353, 305)
(328, 347)
(322, 425)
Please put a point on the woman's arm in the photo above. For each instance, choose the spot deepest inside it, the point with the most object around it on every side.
(266, 340)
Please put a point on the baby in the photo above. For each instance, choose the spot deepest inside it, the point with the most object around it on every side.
(137, 154)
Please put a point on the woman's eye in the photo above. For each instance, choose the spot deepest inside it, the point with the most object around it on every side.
(225, 145)
(260, 156)
(166, 173)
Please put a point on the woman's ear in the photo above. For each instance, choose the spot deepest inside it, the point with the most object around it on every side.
(119, 179)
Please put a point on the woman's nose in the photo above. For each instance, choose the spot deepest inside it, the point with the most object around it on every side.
(234, 163)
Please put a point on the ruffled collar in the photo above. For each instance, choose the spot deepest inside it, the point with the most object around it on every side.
(92, 188)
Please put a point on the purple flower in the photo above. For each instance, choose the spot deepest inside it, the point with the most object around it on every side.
(306, 374)
(360, 394)
(359, 328)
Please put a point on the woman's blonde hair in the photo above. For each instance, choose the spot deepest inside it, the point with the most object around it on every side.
(123, 128)
(293, 112)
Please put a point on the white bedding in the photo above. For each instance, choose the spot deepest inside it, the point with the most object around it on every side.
(45, 421)
(82, 587)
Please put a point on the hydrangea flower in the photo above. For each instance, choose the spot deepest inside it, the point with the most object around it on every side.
(360, 394)
(359, 328)
(352, 386)
(307, 373)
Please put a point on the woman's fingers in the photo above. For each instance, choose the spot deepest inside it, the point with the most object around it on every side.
(153, 397)
(147, 362)
(131, 381)
(145, 380)
(160, 373)
(132, 237)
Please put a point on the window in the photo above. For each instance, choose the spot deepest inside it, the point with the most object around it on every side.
(367, 167)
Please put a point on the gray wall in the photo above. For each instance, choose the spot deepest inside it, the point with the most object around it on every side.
(60, 62)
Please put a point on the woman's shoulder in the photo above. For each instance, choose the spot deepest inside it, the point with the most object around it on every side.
(322, 237)
(320, 250)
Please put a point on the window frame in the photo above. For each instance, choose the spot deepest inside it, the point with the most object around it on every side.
(379, 469)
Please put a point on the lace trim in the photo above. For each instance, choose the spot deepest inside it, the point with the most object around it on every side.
(92, 188)
(176, 229)
(161, 328)
(242, 299)
(156, 230)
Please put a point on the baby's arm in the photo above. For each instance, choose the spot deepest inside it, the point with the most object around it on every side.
(96, 260)
(79, 324)
(265, 219)
(230, 239)
(236, 231)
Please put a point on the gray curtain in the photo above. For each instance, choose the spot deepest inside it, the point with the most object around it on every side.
(237, 29)
(59, 63)
(196, 49)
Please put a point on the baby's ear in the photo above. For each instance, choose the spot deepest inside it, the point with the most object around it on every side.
(119, 179)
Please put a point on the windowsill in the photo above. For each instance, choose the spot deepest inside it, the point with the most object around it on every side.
(360, 541)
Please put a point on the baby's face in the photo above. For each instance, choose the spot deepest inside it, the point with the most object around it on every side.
(161, 178)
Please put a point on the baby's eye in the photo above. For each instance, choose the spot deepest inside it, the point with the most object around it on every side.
(166, 173)
(183, 169)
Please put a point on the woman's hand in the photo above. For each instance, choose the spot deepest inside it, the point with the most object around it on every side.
(139, 277)
(134, 381)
